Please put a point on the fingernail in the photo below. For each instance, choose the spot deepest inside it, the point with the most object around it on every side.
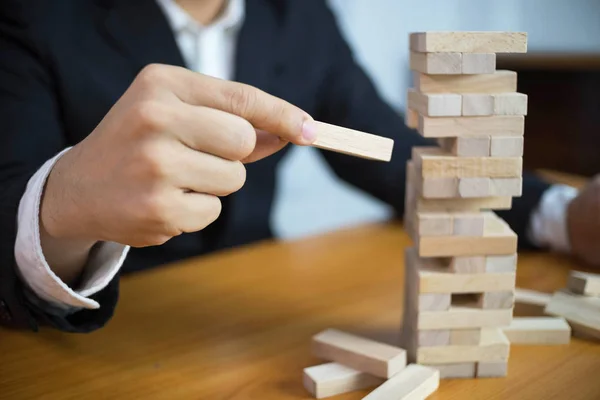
(309, 130)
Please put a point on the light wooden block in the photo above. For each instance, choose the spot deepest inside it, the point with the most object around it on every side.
(435, 105)
(501, 263)
(469, 42)
(478, 63)
(464, 204)
(474, 187)
(576, 309)
(496, 125)
(506, 146)
(353, 142)
(492, 369)
(477, 104)
(584, 283)
(456, 370)
(526, 296)
(415, 382)
(510, 104)
(436, 63)
(497, 300)
(463, 318)
(538, 330)
(331, 379)
(434, 338)
(465, 337)
(506, 186)
(435, 163)
(411, 119)
(498, 82)
(493, 346)
(434, 301)
(466, 146)
(468, 224)
(434, 224)
(359, 353)
(467, 265)
(439, 188)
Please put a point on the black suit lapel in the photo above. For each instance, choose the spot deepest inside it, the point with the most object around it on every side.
(141, 31)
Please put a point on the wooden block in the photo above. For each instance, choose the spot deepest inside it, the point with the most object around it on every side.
(456, 370)
(463, 318)
(584, 283)
(527, 296)
(331, 379)
(505, 187)
(510, 104)
(492, 369)
(434, 224)
(498, 82)
(415, 382)
(469, 42)
(435, 105)
(359, 353)
(439, 188)
(434, 301)
(411, 119)
(493, 346)
(538, 330)
(352, 142)
(576, 309)
(436, 63)
(467, 265)
(477, 104)
(497, 300)
(464, 204)
(503, 263)
(434, 164)
(474, 187)
(468, 224)
(496, 125)
(466, 146)
(478, 63)
(506, 146)
(434, 338)
(465, 337)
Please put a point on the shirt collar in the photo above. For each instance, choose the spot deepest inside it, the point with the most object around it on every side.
(179, 20)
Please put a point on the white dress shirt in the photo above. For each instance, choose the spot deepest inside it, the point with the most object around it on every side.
(209, 50)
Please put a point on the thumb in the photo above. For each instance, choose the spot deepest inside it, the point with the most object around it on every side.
(266, 144)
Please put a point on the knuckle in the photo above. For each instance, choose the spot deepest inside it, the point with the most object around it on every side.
(236, 177)
(150, 116)
(241, 99)
(151, 75)
(151, 162)
(245, 139)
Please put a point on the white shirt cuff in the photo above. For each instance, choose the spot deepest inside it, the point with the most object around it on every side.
(548, 224)
(104, 261)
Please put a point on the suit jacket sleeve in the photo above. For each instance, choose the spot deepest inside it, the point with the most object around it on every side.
(31, 134)
(348, 98)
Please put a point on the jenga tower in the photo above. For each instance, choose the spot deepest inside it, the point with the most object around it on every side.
(460, 274)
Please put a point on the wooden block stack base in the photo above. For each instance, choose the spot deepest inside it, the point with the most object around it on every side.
(460, 274)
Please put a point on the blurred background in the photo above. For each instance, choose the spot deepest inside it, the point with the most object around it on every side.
(560, 74)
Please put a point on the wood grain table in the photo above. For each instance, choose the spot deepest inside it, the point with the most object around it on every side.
(237, 325)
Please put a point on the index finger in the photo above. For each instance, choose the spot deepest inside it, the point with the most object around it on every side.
(262, 110)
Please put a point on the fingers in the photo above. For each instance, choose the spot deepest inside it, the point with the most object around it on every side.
(266, 144)
(195, 211)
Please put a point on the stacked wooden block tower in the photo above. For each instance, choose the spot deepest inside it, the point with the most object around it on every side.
(460, 274)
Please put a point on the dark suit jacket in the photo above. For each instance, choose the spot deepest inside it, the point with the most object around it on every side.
(64, 63)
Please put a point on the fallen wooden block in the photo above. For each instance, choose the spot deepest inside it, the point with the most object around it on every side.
(497, 369)
(533, 297)
(584, 283)
(538, 330)
(496, 125)
(582, 313)
(455, 370)
(469, 42)
(493, 346)
(478, 63)
(463, 318)
(331, 379)
(435, 105)
(359, 353)
(415, 382)
(437, 63)
(498, 82)
(506, 146)
(352, 142)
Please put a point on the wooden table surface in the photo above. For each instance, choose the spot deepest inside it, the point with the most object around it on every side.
(237, 325)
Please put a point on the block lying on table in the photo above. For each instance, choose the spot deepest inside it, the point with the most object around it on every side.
(498, 82)
(415, 382)
(469, 42)
(365, 355)
(456, 370)
(331, 379)
(584, 283)
(538, 330)
(581, 312)
(526, 296)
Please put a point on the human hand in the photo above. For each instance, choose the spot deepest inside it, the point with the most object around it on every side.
(583, 223)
